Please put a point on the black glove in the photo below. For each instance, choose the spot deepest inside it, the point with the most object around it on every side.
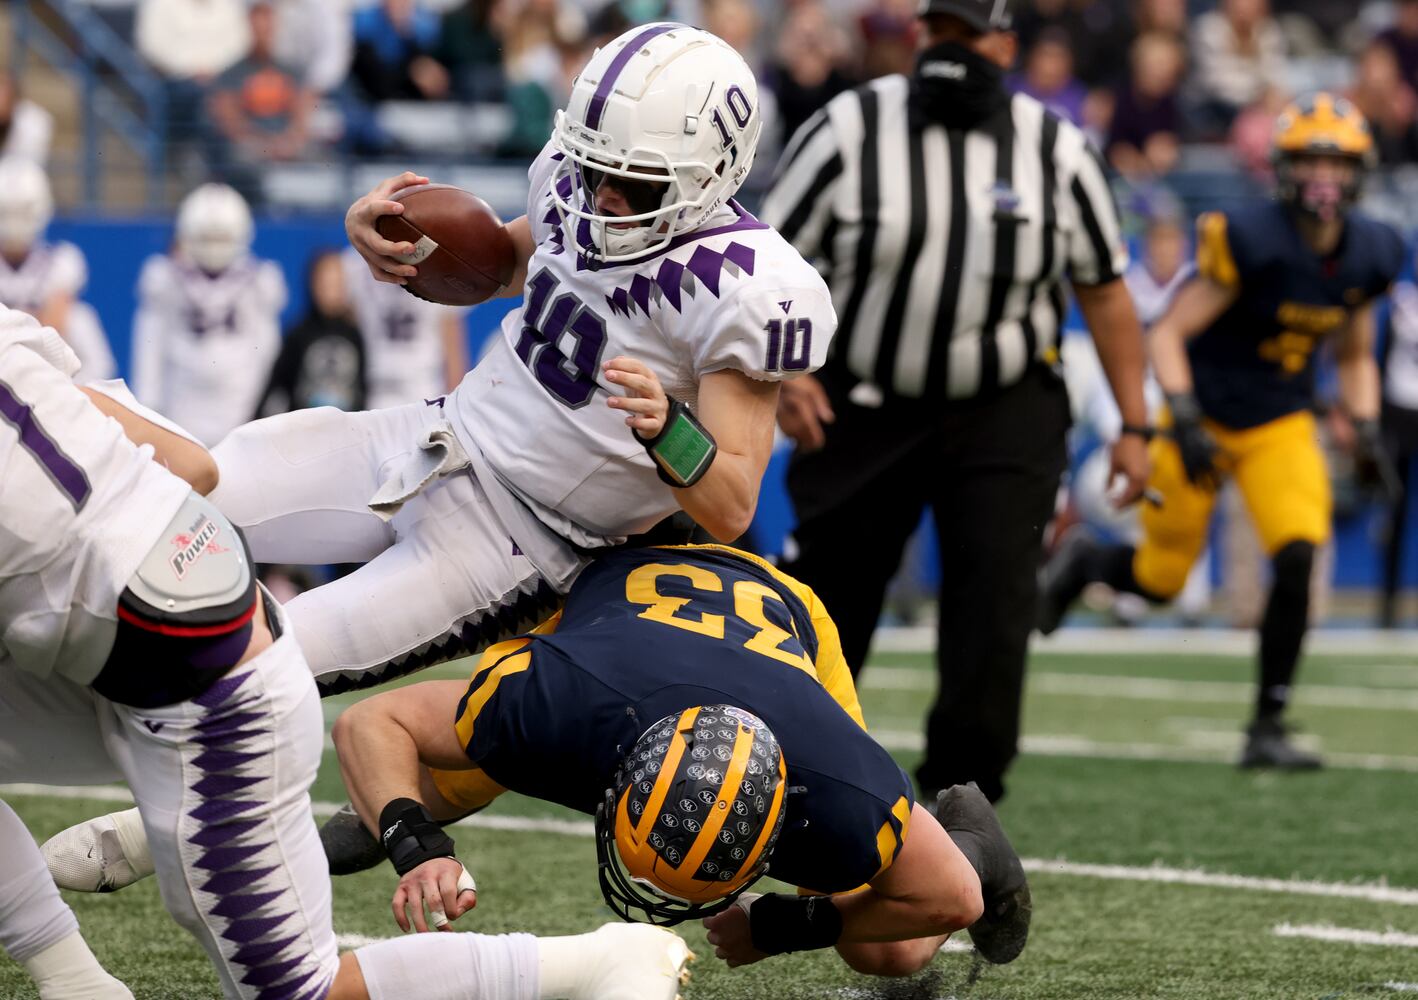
(1374, 461)
(1197, 446)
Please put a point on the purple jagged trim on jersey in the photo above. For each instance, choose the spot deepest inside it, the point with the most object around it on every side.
(62, 469)
(234, 907)
(705, 265)
(216, 836)
(640, 292)
(668, 278)
(269, 975)
(740, 256)
(225, 883)
(214, 759)
(219, 859)
(242, 931)
(255, 954)
(225, 722)
(219, 786)
(223, 689)
(218, 810)
(597, 105)
(291, 990)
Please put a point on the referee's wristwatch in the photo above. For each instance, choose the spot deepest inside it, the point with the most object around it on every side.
(1147, 433)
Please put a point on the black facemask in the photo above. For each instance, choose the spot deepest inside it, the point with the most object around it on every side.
(956, 87)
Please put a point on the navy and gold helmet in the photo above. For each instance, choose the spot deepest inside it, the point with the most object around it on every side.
(693, 816)
(1322, 125)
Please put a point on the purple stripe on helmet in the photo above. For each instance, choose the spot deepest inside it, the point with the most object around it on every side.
(59, 466)
(597, 107)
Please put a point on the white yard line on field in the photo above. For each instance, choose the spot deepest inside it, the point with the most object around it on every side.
(1346, 935)
(1402, 987)
(1159, 689)
(1068, 745)
(1375, 893)
(1199, 641)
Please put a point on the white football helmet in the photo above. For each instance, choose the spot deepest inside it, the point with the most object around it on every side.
(214, 227)
(26, 205)
(664, 103)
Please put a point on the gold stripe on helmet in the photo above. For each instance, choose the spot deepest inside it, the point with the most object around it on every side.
(669, 770)
(729, 790)
(750, 863)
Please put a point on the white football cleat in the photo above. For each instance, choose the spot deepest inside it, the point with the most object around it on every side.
(616, 962)
(100, 855)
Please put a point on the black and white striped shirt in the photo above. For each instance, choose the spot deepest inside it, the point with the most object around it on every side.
(945, 249)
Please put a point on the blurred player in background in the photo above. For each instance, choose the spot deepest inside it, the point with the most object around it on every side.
(416, 349)
(1235, 355)
(207, 330)
(138, 645)
(43, 277)
(1400, 422)
(1153, 281)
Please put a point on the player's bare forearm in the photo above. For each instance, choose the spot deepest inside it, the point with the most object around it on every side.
(521, 232)
(740, 412)
(1112, 320)
(383, 743)
(929, 890)
(1356, 368)
(183, 458)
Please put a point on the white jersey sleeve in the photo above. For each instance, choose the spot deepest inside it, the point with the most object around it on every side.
(23, 330)
(775, 325)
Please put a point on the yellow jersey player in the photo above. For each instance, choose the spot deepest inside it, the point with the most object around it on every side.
(1235, 356)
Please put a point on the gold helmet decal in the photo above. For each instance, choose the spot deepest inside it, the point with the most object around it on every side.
(1323, 125)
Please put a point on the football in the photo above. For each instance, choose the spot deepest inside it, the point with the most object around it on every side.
(461, 249)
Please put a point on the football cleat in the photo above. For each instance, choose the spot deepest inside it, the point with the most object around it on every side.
(634, 962)
(100, 855)
(1268, 745)
(349, 847)
(1003, 929)
(1063, 578)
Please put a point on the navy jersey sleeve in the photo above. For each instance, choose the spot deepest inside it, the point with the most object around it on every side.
(844, 828)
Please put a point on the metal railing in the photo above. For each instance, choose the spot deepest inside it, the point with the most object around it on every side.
(118, 94)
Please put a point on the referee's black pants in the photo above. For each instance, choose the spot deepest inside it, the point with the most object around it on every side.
(989, 469)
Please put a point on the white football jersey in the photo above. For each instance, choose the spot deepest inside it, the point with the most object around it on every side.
(203, 345)
(403, 338)
(730, 295)
(59, 268)
(80, 507)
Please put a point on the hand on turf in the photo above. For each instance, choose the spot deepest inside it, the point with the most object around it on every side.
(434, 885)
(644, 401)
(730, 936)
(381, 255)
(1128, 467)
(803, 408)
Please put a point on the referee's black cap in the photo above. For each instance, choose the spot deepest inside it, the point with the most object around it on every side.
(982, 15)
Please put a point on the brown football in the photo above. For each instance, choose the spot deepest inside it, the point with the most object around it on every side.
(461, 249)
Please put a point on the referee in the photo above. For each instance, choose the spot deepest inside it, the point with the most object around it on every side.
(946, 215)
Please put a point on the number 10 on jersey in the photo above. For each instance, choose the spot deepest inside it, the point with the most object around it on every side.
(789, 345)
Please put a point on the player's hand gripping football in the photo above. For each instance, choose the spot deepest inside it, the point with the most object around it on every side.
(1198, 447)
(803, 407)
(442, 886)
(730, 935)
(644, 402)
(381, 255)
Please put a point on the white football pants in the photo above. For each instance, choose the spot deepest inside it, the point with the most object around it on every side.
(32, 916)
(222, 783)
(443, 579)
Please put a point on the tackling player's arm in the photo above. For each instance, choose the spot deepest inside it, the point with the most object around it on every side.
(386, 745)
(737, 411)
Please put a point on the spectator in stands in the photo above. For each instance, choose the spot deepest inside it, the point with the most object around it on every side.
(1143, 136)
(807, 72)
(1402, 37)
(261, 111)
(736, 22)
(395, 53)
(542, 43)
(888, 29)
(1238, 54)
(322, 358)
(1400, 424)
(1098, 32)
(1388, 103)
(316, 37)
(469, 48)
(25, 127)
(1168, 17)
(1252, 131)
(1048, 76)
(190, 43)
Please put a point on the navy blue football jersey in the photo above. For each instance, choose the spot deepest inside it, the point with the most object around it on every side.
(1257, 362)
(647, 633)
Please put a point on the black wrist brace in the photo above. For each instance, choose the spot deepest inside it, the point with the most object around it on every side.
(683, 450)
(779, 923)
(410, 836)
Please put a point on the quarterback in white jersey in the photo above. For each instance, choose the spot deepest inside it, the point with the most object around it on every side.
(640, 378)
(414, 349)
(207, 330)
(43, 277)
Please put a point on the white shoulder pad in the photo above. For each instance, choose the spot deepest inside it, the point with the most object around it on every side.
(770, 329)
